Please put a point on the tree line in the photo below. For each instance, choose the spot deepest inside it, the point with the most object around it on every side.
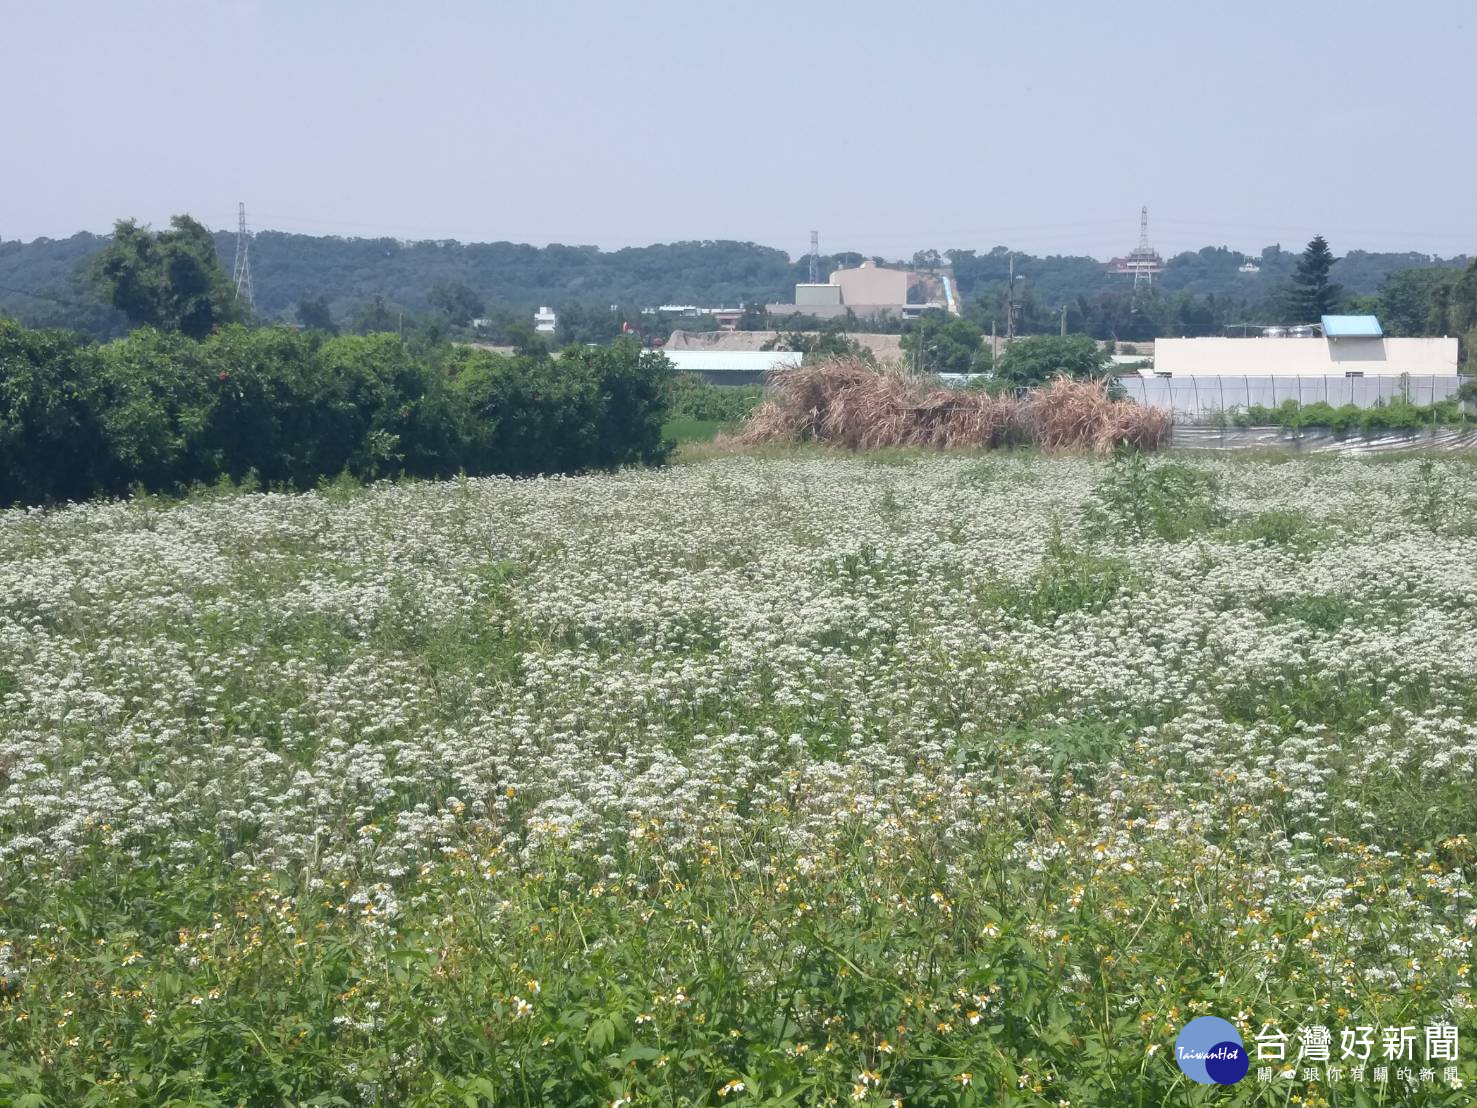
(367, 285)
(162, 411)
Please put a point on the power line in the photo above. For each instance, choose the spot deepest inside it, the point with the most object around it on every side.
(47, 296)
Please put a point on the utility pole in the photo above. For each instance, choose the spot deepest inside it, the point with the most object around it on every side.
(1010, 304)
(1064, 321)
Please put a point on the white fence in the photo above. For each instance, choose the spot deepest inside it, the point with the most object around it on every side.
(1196, 397)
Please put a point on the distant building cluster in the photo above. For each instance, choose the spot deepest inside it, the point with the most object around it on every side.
(726, 318)
(865, 290)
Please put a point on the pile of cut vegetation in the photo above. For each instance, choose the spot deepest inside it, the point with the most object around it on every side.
(849, 403)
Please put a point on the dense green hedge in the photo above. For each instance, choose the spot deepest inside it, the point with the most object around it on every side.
(166, 412)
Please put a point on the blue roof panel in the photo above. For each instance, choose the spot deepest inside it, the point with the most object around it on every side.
(1352, 327)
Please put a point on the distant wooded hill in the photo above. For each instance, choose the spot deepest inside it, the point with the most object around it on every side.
(348, 273)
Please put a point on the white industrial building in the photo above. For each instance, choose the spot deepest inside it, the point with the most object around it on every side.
(1345, 360)
(1348, 346)
(733, 367)
(545, 321)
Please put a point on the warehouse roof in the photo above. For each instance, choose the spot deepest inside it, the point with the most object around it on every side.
(1352, 327)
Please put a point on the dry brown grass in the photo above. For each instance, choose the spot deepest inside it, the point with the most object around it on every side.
(847, 403)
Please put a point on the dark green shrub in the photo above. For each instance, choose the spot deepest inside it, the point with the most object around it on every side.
(155, 401)
(694, 398)
(588, 409)
(163, 412)
(52, 445)
(261, 422)
(1396, 414)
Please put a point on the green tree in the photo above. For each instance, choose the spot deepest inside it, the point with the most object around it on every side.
(171, 279)
(939, 343)
(314, 314)
(1312, 294)
(821, 345)
(375, 317)
(457, 302)
(52, 445)
(1038, 358)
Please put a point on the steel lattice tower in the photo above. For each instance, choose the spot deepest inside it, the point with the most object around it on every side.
(241, 271)
(1141, 273)
(815, 257)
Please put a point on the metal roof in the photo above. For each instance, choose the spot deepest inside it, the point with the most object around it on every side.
(1352, 327)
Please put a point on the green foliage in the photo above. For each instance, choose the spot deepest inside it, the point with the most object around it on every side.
(695, 398)
(167, 279)
(52, 443)
(456, 301)
(1393, 415)
(1429, 499)
(1036, 359)
(820, 345)
(164, 412)
(314, 314)
(1408, 298)
(940, 343)
(1312, 294)
(589, 409)
(1169, 501)
(1279, 527)
(1068, 580)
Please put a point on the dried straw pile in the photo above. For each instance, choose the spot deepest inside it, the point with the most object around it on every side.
(848, 403)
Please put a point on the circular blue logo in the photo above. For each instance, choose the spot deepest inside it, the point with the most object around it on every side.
(1209, 1051)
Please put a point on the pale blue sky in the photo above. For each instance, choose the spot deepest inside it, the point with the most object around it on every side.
(889, 127)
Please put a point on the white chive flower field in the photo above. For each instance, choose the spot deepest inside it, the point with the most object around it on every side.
(791, 779)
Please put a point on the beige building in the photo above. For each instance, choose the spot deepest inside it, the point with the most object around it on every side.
(871, 284)
(865, 290)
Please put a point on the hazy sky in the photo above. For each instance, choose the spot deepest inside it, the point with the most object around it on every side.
(888, 127)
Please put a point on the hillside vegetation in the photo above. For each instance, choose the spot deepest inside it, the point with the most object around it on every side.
(352, 275)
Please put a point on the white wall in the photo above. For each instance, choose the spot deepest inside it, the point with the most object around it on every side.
(740, 361)
(1313, 357)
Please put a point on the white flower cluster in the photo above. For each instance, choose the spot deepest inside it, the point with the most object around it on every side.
(793, 650)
